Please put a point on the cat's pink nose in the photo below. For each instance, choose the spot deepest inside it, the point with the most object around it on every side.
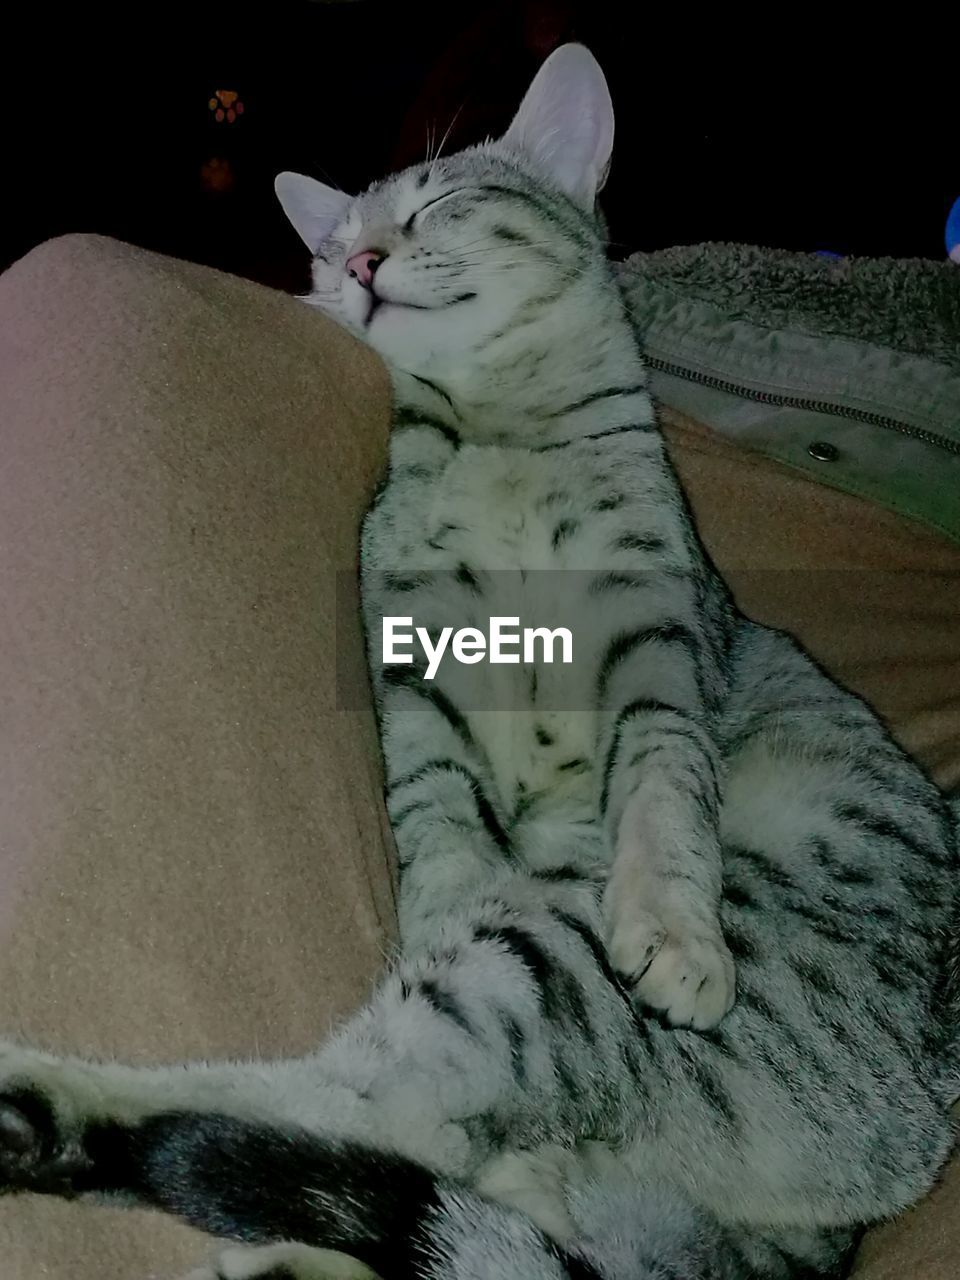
(362, 266)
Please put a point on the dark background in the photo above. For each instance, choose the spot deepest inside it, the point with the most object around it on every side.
(790, 132)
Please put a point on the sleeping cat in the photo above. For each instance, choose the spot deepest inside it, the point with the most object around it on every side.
(563, 1076)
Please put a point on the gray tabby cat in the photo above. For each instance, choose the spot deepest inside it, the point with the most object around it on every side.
(505, 1108)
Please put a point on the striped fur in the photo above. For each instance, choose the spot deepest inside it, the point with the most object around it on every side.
(577, 846)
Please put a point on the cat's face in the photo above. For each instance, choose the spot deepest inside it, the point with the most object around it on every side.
(436, 263)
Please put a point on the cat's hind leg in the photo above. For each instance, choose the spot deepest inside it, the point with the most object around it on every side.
(52, 1108)
(488, 1041)
(587, 1199)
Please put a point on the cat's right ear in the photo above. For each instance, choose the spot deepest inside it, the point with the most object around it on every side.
(565, 123)
(312, 207)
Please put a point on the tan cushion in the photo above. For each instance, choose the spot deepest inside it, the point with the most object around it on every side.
(875, 597)
(923, 1244)
(192, 860)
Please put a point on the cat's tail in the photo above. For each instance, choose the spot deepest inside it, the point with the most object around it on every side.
(261, 1185)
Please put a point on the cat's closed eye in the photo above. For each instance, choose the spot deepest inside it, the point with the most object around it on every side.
(411, 222)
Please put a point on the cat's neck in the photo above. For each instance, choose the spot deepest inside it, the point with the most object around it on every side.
(582, 377)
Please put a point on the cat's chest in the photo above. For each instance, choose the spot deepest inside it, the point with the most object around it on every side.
(510, 509)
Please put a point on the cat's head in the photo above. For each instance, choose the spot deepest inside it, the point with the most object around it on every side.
(479, 258)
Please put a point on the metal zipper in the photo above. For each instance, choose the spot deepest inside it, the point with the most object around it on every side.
(812, 406)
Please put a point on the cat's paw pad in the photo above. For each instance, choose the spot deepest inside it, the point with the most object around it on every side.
(283, 1262)
(691, 981)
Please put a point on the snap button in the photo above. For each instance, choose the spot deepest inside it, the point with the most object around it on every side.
(823, 451)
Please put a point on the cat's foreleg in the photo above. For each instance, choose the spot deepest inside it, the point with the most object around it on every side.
(660, 799)
(450, 837)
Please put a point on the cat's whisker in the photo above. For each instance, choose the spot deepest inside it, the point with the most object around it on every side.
(443, 140)
(326, 175)
(489, 261)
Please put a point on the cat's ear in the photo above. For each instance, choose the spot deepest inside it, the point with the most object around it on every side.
(565, 123)
(312, 207)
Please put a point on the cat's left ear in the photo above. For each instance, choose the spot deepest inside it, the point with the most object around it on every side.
(312, 207)
(565, 123)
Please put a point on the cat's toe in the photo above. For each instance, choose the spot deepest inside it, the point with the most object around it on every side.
(634, 938)
(691, 981)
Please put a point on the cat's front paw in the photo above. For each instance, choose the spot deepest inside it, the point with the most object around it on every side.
(40, 1147)
(688, 978)
(283, 1262)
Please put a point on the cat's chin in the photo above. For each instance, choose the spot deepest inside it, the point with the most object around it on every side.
(404, 336)
(382, 309)
(374, 315)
